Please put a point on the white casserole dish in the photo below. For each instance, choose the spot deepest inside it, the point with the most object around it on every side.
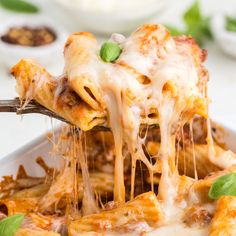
(41, 147)
(26, 156)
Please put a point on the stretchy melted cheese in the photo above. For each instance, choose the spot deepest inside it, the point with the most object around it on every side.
(153, 72)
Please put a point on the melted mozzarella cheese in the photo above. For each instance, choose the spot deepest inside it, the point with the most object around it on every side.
(152, 53)
(179, 230)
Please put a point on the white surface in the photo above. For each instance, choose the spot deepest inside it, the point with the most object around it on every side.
(15, 132)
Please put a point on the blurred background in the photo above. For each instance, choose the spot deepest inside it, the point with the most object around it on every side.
(38, 29)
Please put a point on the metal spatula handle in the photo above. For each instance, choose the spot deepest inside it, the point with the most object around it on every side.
(14, 105)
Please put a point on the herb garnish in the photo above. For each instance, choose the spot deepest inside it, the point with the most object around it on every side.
(230, 24)
(196, 24)
(20, 6)
(110, 51)
(223, 186)
(10, 225)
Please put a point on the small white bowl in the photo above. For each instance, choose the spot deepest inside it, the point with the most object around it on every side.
(120, 20)
(224, 38)
(10, 54)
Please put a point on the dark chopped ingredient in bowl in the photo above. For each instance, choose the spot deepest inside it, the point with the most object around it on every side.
(26, 36)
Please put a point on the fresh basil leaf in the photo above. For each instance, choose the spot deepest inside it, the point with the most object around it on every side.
(206, 29)
(193, 15)
(201, 31)
(197, 25)
(20, 6)
(223, 186)
(174, 31)
(230, 24)
(197, 34)
(110, 52)
(10, 225)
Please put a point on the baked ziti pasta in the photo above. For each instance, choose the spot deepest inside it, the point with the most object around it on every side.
(135, 179)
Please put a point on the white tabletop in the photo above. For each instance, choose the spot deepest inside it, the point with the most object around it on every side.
(16, 131)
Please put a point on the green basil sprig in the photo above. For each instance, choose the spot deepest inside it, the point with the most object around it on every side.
(10, 225)
(230, 24)
(20, 6)
(110, 51)
(196, 24)
(223, 186)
